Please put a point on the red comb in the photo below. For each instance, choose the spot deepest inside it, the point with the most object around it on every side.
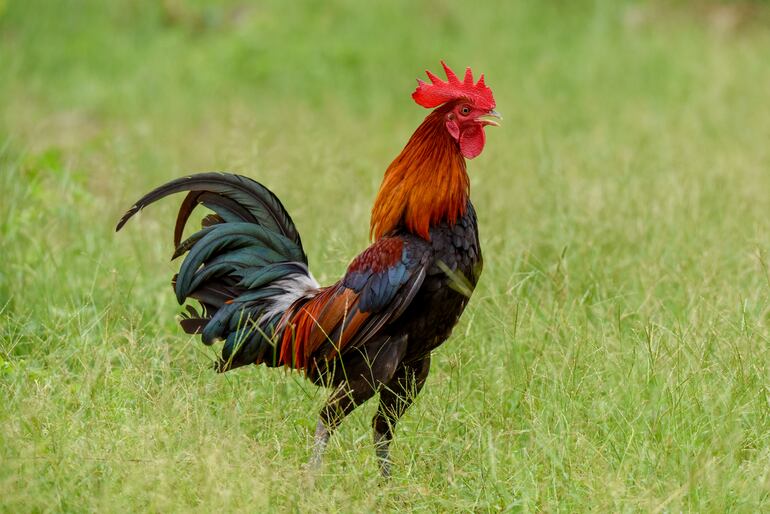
(439, 92)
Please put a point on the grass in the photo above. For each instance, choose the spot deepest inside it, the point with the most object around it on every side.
(615, 355)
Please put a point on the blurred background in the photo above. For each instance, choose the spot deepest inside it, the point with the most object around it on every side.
(614, 355)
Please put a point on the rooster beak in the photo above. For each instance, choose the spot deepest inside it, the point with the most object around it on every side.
(484, 118)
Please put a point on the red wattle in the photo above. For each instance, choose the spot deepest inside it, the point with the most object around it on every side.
(472, 141)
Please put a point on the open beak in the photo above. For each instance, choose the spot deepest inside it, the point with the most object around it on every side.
(485, 120)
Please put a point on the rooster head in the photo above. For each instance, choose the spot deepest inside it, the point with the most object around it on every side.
(466, 107)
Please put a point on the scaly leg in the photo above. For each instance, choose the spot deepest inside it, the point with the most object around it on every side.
(396, 397)
(341, 403)
(320, 440)
(361, 380)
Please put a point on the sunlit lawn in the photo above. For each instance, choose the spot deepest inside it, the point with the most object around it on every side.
(615, 355)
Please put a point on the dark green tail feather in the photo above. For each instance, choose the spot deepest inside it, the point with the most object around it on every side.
(234, 264)
(263, 207)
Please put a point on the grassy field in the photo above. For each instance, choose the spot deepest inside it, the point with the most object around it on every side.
(615, 356)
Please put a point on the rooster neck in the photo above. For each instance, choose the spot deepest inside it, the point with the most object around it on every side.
(425, 185)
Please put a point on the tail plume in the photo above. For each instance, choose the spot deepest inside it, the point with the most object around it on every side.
(232, 197)
(245, 266)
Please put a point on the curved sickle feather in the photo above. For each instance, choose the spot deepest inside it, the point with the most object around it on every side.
(262, 205)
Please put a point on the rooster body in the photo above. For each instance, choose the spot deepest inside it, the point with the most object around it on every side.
(374, 330)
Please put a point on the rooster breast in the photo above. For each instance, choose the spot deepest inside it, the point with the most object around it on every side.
(455, 268)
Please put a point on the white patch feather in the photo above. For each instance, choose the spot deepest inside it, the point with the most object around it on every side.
(294, 286)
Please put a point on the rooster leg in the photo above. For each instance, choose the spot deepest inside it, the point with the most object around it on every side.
(341, 403)
(320, 441)
(373, 367)
(396, 397)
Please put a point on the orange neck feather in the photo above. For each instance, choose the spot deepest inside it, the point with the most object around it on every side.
(425, 185)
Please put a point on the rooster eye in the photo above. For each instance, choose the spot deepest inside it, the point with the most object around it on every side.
(465, 110)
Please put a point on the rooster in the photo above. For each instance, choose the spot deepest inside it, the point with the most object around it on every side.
(374, 330)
